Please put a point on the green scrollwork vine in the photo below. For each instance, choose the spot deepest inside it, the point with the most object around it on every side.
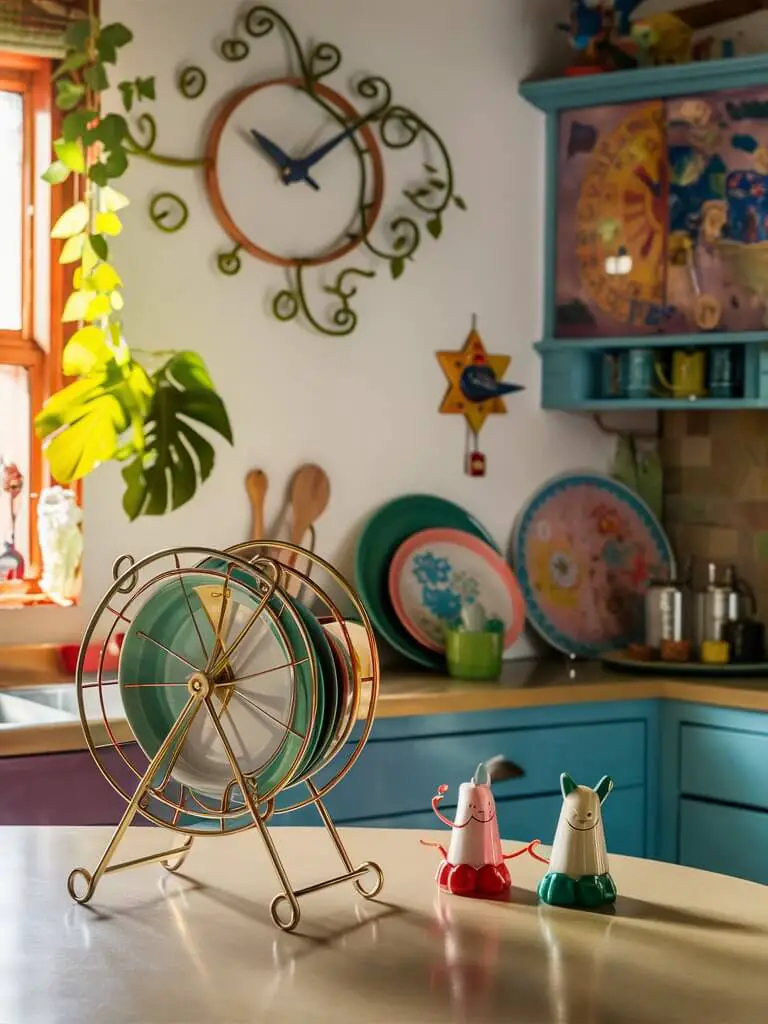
(192, 82)
(341, 320)
(168, 212)
(396, 127)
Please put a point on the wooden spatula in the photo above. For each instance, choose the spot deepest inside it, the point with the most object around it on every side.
(256, 484)
(310, 494)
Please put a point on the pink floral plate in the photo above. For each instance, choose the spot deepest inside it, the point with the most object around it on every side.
(436, 573)
(584, 549)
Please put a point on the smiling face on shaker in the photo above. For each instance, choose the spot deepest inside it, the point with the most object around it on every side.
(582, 809)
(476, 804)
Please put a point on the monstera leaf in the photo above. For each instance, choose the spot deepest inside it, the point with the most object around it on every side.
(176, 457)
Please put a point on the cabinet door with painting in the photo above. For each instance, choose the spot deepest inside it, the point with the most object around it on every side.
(611, 221)
(662, 217)
(717, 157)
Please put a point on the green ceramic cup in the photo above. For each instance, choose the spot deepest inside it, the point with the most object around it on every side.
(473, 655)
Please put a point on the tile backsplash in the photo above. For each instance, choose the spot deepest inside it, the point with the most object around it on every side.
(716, 491)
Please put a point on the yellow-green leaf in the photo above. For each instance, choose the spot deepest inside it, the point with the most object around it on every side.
(99, 306)
(121, 351)
(56, 174)
(71, 154)
(72, 250)
(104, 278)
(77, 278)
(71, 222)
(111, 200)
(118, 302)
(87, 350)
(108, 224)
(77, 307)
(90, 258)
(80, 448)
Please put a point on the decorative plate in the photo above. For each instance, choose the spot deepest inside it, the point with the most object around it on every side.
(266, 714)
(584, 548)
(436, 573)
(382, 535)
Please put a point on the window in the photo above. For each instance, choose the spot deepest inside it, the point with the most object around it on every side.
(31, 288)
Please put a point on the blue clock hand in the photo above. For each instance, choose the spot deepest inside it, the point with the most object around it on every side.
(300, 168)
(283, 161)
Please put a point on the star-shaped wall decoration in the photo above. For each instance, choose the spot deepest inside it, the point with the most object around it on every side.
(454, 364)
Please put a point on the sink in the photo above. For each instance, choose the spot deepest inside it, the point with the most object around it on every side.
(61, 700)
(16, 712)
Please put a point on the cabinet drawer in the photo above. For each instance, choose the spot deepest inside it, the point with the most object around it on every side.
(728, 840)
(724, 764)
(536, 818)
(400, 776)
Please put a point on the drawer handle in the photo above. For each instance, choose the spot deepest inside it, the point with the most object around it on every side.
(500, 769)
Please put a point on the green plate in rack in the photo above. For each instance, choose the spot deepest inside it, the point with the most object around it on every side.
(382, 535)
(162, 647)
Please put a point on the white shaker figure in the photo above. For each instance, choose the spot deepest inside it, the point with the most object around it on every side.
(578, 873)
(473, 864)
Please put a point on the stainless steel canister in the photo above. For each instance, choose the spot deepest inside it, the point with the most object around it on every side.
(666, 612)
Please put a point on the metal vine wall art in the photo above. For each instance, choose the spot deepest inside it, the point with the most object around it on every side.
(368, 125)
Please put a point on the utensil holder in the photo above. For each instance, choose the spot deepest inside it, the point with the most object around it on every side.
(147, 784)
(474, 655)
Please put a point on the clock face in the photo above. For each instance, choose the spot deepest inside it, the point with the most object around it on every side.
(620, 219)
(612, 220)
(291, 177)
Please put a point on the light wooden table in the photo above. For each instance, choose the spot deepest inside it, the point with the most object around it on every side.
(682, 945)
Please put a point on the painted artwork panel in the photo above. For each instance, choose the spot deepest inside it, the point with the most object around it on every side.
(612, 220)
(718, 211)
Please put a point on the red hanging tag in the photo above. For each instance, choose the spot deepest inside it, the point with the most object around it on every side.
(474, 459)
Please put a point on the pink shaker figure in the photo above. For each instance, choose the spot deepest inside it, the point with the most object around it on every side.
(473, 864)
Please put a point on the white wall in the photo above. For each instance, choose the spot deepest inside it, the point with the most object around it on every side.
(364, 407)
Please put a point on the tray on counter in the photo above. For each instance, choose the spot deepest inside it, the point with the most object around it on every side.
(620, 660)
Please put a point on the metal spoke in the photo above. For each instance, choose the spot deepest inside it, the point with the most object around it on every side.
(225, 658)
(119, 615)
(212, 666)
(177, 752)
(263, 711)
(189, 607)
(138, 686)
(93, 686)
(173, 654)
(264, 672)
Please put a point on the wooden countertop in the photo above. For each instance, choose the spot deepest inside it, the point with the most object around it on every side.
(524, 684)
(680, 946)
(535, 683)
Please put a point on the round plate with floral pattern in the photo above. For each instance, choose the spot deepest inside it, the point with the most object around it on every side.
(436, 574)
(584, 549)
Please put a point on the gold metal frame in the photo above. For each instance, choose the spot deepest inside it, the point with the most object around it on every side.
(265, 572)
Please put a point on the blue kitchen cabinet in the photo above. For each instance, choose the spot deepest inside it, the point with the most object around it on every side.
(406, 759)
(713, 806)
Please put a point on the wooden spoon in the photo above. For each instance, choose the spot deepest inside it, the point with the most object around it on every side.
(256, 484)
(310, 494)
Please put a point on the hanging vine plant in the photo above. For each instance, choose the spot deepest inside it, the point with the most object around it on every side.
(145, 413)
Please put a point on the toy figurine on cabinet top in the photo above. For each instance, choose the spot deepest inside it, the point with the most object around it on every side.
(607, 39)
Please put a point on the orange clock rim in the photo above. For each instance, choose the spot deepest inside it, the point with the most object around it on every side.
(217, 200)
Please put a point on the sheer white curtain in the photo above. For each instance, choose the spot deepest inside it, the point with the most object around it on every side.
(14, 447)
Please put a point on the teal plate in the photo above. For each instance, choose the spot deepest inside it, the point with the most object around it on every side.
(682, 668)
(328, 708)
(382, 535)
(326, 670)
(266, 751)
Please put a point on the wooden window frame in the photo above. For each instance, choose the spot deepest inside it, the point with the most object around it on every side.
(31, 76)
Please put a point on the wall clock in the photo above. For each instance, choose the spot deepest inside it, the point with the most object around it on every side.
(296, 174)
